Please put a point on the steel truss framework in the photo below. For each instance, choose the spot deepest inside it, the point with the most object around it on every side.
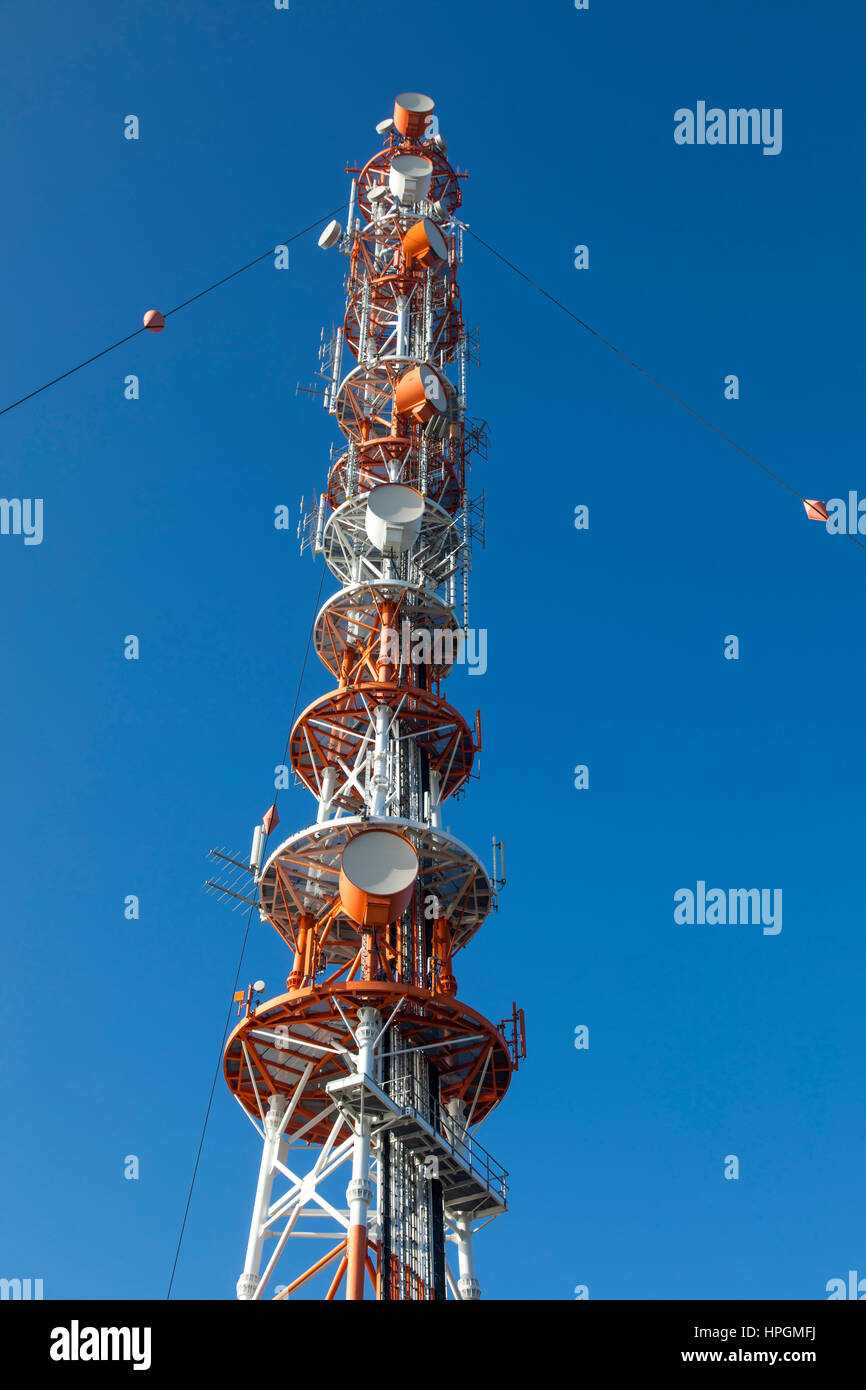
(382, 284)
(303, 1211)
(348, 630)
(444, 184)
(369, 1066)
(301, 880)
(338, 732)
(352, 557)
(434, 467)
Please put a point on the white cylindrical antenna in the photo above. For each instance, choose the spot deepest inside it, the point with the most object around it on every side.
(402, 305)
(337, 369)
(498, 863)
(320, 524)
(256, 851)
(351, 208)
(351, 468)
(385, 126)
(435, 806)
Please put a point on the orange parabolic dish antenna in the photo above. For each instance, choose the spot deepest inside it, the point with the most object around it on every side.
(378, 871)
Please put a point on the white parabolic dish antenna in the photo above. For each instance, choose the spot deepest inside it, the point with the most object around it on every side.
(331, 235)
(378, 872)
(409, 177)
(393, 517)
(377, 861)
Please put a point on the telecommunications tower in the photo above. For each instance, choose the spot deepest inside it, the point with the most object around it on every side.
(369, 1070)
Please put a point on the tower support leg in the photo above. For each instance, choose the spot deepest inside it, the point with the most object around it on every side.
(467, 1283)
(248, 1282)
(359, 1193)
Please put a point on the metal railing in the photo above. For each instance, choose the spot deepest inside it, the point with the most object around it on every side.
(409, 1093)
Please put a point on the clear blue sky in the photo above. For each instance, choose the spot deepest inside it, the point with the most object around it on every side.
(605, 646)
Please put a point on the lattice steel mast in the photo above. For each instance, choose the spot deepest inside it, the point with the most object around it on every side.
(368, 1058)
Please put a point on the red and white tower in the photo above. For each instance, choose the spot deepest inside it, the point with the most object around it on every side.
(369, 1067)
